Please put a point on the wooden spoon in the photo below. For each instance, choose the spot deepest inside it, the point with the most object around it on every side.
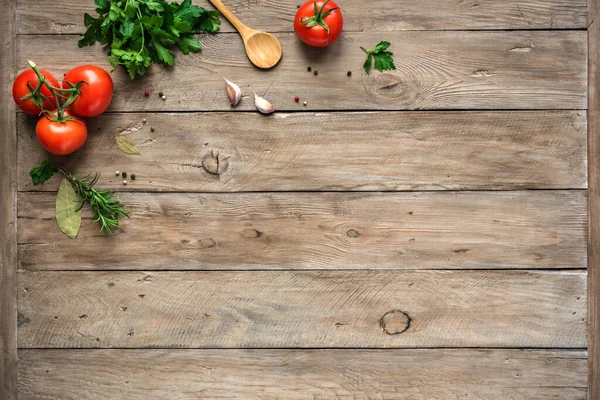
(262, 48)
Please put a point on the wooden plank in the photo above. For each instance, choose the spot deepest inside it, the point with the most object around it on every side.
(474, 230)
(356, 152)
(8, 205)
(302, 309)
(384, 15)
(302, 374)
(435, 70)
(594, 199)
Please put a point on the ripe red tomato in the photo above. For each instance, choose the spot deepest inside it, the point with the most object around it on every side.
(318, 23)
(96, 93)
(20, 89)
(61, 138)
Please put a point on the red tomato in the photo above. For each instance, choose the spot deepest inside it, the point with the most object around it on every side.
(20, 89)
(318, 29)
(96, 93)
(61, 138)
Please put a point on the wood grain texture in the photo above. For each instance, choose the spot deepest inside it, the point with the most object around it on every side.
(301, 309)
(8, 205)
(227, 152)
(384, 15)
(473, 230)
(302, 374)
(435, 70)
(594, 199)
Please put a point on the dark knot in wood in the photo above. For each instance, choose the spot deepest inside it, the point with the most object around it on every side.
(395, 322)
(353, 233)
(214, 163)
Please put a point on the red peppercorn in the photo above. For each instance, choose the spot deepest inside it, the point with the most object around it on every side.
(296, 99)
(146, 93)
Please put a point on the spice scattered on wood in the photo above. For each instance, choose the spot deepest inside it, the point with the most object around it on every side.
(164, 97)
(146, 93)
(124, 174)
(309, 69)
(296, 99)
(160, 94)
(349, 73)
(305, 103)
(151, 129)
(144, 120)
(126, 145)
(117, 173)
(316, 72)
(125, 182)
(133, 177)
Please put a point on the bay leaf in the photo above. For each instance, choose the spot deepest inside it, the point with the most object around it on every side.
(126, 145)
(67, 215)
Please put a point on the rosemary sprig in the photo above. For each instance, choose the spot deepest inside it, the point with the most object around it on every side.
(105, 205)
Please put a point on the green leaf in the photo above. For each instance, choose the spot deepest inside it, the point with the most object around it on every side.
(154, 6)
(43, 172)
(126, 145)
(88, 20)
(127, 28)
(208, 22)
(381, 46)
(384, 61)
(102, 4)
(163, 53)
(368, 63)
(68, 210)
(189, 44)
(114, 13)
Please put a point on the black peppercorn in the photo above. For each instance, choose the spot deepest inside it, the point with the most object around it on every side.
(316, 73)
(133, 177)
(349, 73)
(124, 174)
(151, 129)
(160, 94)
(309, 69)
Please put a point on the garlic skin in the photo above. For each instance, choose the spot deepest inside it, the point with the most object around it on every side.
(233, 92)
(263, 105)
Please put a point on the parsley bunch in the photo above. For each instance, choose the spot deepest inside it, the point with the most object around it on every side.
(383, 57)
(140, 32)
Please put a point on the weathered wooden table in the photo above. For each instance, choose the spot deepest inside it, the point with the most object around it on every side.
(419, 234)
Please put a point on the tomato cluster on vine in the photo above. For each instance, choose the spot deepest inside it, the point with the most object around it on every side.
(85, 91)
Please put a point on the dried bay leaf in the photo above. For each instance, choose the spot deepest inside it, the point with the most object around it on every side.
(68, 212)
(126, 145)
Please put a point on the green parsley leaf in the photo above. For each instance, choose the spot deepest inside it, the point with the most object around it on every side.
(141, 32)
(43, 172)
(383, 58)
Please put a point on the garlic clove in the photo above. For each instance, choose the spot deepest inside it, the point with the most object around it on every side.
(233, 92)
(263, 105)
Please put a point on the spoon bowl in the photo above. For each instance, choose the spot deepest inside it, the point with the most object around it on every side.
(262, 48)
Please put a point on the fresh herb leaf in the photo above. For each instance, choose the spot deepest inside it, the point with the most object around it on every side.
(68, 209)
(43, 172)
(141, 32)
(381, 56)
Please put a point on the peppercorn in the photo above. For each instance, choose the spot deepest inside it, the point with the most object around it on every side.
(117, 173)
(316, 72)
(125, 182)
(349, 73)
(164, 97)
(309, 69)
(124, 174)
(160, 94)
(133, 177)
(146, 93)
(144, 120)
(296, 99)
(151, 129)
(305, 103)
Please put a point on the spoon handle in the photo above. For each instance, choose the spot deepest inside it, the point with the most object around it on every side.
(241, 28)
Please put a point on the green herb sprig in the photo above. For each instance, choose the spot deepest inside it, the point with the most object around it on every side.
(140, 32)
(105, 205)
(382, 57)
(43, 172)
